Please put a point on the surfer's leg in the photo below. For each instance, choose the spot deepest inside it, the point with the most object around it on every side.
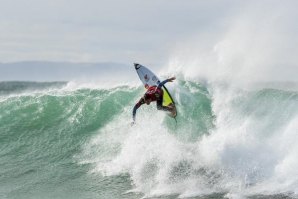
(161, 107)
(159, 104)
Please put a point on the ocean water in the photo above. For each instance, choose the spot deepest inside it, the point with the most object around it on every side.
(64, 141)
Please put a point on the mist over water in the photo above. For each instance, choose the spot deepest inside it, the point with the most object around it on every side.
(256, 43)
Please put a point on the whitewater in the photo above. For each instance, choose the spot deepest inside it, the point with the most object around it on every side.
(67, 140)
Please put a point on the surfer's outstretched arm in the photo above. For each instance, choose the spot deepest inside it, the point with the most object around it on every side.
(165, 81)
(134, 112)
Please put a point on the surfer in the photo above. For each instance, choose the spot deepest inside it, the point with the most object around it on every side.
(153, 93)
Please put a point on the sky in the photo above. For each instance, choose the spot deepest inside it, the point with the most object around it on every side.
(212, 36)
(103, 30)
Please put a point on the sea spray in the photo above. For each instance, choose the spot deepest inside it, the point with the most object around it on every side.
(238, 152)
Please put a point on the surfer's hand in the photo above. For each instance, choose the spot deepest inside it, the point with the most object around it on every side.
(171, 79)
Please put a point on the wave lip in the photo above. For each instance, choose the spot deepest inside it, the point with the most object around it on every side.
(9, 87)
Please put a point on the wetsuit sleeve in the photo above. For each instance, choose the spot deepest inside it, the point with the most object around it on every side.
(162, 83)
(140, 102)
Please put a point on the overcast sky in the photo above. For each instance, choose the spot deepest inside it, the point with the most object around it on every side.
(103, 31)
(152, 32)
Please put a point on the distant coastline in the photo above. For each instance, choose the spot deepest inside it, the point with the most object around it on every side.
(46, 71)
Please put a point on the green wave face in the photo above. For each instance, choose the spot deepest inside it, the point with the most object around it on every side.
(42, 131)
(78, 143)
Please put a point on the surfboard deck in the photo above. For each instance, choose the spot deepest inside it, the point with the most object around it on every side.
(148, 78)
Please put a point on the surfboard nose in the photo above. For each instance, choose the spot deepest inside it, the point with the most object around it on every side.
(137, 66)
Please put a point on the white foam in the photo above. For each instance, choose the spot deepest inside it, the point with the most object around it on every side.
(250, 151)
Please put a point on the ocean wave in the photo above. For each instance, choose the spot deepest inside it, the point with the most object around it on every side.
(228, 141)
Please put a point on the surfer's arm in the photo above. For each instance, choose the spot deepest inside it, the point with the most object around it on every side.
(165, 81)
(134, 112)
